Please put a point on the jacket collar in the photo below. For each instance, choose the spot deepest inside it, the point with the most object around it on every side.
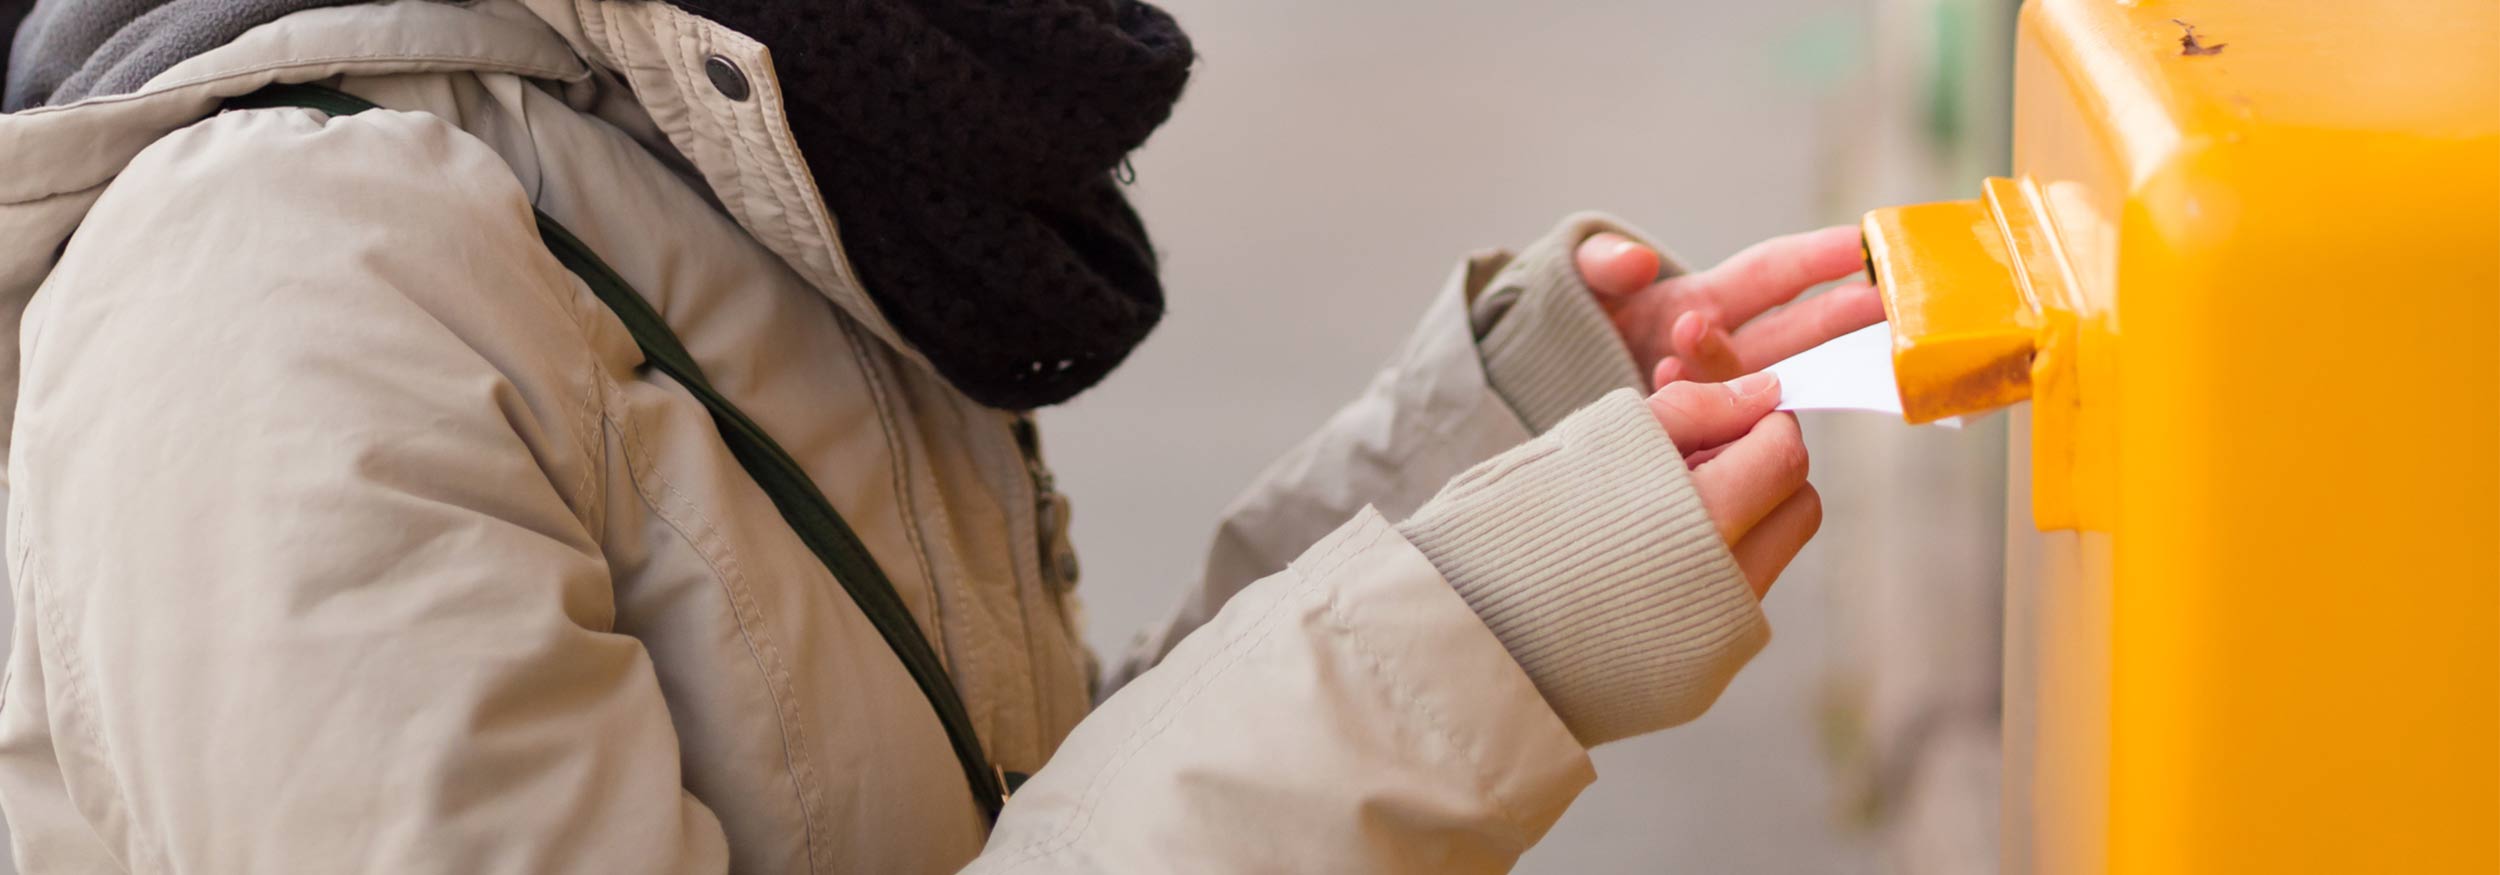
(741, 145)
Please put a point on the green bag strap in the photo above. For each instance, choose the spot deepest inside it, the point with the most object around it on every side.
(800, 502)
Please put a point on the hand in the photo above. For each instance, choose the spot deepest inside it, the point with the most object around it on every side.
(1719, 324)
(1749, 465)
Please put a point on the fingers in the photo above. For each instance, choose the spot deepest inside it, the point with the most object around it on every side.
(1799, 327)
(1704, 349)
(1699, 458)
(1669, 370)
(1612, 264)
(1765, 552)
(1699, 416)
(1753, 475)
(1749, 467)
(1775, 271)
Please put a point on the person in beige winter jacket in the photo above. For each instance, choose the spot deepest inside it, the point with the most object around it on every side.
(588, 436)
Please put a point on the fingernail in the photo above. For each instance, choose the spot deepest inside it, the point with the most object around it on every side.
(1751, 386)
(1687, 331)
(1620, 246)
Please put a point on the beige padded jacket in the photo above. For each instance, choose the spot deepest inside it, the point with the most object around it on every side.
(346, 532)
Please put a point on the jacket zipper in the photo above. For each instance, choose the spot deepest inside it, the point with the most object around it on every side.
(1057, 553)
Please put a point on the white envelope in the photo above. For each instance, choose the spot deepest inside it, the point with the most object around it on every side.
(1852, 372)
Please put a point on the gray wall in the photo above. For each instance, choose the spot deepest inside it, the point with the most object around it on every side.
(1332, 160)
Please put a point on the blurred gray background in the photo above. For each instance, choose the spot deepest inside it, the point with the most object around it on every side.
(1339, 157)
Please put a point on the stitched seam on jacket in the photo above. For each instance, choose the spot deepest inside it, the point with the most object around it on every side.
(695, 42)
(569, 295)
(587, 432)
(585, 429)
(975, 668)
(1154, 727)
(642, 466)
(595, 398)
(821, 249)
(753, 167)
(483, 65)
(883, 402)
(680, 129)
(733, 124)
(246, 72)
(1163, 718)
(1432, 718)
(82, 699)
(812, 212)
(802, 769)
(596, 30)
(1031, 594)
(48, 628)
(691, 42)
(675, 130)
(594, 470)
(565, 295)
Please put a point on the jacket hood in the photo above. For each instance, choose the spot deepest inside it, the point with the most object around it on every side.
(57, 157)
(68, 49)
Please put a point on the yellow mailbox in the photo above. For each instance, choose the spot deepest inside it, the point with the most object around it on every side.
(2247, 273)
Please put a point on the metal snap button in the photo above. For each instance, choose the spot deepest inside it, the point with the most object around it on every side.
(726, 77)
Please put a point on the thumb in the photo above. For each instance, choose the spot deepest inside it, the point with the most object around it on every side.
(1699, 416)
(1612, 264)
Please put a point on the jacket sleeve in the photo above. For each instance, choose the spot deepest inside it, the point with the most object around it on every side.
(1416, 696)
(318, 586)
(1510, 346)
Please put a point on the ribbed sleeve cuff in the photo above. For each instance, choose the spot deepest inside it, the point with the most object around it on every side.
(1548, 348)
(1589, 555)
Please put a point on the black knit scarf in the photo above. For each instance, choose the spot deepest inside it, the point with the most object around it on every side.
(968, 150)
